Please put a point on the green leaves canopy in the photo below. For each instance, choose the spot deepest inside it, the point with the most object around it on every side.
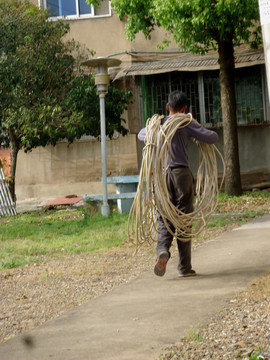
(36, 68)
(42, 98)
(195, 25)
(83, 98)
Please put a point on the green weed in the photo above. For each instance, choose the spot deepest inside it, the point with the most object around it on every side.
(25, 238)
(193, 335)
(258, 355)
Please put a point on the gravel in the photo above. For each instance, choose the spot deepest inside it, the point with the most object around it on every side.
(240, 330)
(33, 294)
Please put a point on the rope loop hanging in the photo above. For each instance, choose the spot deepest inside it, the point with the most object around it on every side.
(152, 195)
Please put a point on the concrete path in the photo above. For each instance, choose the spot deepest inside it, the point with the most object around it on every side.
(136, 320)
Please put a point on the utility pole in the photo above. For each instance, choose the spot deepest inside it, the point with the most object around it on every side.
(264, 6)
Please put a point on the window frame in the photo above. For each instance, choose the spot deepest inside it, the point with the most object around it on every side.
(77, 15)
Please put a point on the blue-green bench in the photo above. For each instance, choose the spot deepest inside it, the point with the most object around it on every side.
(126, 187)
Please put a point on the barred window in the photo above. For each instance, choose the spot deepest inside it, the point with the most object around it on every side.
(249, 96)
(159, 86)
(203, 92)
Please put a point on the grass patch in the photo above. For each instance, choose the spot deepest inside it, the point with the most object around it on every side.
(38, 236)
(217, 221)
(248, 201)
(27, 238)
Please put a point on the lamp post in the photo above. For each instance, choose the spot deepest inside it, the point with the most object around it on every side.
(102, 80)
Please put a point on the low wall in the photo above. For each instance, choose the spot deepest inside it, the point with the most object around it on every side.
(254, 154)
(75, 169)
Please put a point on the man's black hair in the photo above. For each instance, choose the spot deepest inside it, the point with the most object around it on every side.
(177, 100)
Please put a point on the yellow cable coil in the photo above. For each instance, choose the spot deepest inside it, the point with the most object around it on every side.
(152, 194)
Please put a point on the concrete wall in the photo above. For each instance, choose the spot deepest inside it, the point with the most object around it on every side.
(73, 170)
(76, 169)
(254, 154)
(104, 35)
(254, 147)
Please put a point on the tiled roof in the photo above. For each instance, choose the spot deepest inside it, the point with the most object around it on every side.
(189, 62)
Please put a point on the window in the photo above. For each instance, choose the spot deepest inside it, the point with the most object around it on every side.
(211, 94)
(159, 86)
(76, 8)
(203, 92)
(249, 96)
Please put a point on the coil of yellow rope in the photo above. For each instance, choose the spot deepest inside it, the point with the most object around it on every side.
(152, 194)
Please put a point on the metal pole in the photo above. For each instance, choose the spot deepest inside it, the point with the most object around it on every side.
(266, 46)
(102, 80)
(264, 7)
(105, 209)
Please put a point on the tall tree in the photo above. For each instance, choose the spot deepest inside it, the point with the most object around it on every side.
(197, 26)
(42, 98)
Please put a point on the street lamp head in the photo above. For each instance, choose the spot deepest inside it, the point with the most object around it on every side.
(102, 78)
(102, 82)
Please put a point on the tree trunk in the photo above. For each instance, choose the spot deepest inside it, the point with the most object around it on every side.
(14, 147)
(228, 105)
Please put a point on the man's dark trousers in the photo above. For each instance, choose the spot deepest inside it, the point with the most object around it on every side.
(180, 185)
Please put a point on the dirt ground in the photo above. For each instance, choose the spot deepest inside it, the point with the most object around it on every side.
(33, 294)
